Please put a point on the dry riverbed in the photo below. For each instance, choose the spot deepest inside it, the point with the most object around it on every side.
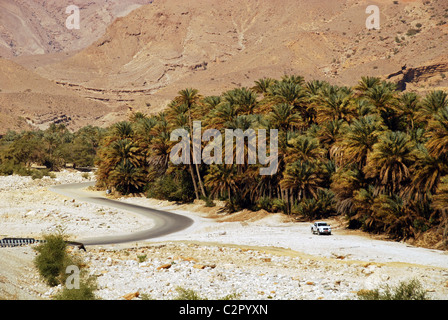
(247, 255)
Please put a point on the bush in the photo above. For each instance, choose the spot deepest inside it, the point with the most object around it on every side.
(411, 290)
(187, 294)
(169, 188)
(316, 208)
(412, 32)
(53, 259)
(264, 203)
(86, 291)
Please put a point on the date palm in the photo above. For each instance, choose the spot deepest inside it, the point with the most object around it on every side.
(433, 102)
(366, 83)
(303, 178)
(128, 178)
(222, 179)
(191, 98)
(409, 107)
(390, 161)
(262, 85)
(437, 134)
(359, 139)
(335, 106)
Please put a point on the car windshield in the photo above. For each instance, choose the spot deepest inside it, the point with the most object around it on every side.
(322, 224)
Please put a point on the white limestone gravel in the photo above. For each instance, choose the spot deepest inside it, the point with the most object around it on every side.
(254, 258)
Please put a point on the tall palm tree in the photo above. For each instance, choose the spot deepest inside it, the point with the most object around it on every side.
(284, 119)
(409, 107)
(191, 98)
(437, 133)
(433, 102)
(366, 83)
(335, 106)
(262, 85)
(304, 148)
(428, 172)
(303, 178)
(391, 160)
(243, 99)
(128, 178)
(222, 179)
(359, 139)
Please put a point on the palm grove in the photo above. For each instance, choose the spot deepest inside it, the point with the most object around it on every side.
(370, 153)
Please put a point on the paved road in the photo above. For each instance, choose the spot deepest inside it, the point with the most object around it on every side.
(165, 222)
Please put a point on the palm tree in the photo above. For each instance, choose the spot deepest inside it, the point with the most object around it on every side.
(303, 178)
(428, 172)
(335, 106)
(222, 179)
(242, 99)
(433, 102)
(359, 140)
(262, 85)
(123, 130)
(384, 98)
(283, 118)
(391, 160)
(304, 148)
(409, 106)
(190, 98)
(128, 178)
(437, 133)
(366, 83)
(329, 134)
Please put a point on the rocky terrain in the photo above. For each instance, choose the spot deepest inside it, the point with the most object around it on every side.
(245, 255)
(39, 27)
(136, 55)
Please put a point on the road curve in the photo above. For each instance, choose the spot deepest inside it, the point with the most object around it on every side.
(165, 222)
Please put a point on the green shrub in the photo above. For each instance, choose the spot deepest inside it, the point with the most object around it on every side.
(316, 208)
(85, 292)
(172, 189)
(265, 203)
(411, 290)
(53, 259)
(412, 32)
(187, 294)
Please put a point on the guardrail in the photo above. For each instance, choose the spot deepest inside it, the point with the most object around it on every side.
(20, 242)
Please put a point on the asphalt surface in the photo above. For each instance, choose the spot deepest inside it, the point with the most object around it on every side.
(164, 222)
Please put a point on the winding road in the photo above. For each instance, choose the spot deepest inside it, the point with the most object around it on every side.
(164, 222)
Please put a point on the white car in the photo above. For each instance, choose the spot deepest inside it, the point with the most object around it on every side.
(320, 228)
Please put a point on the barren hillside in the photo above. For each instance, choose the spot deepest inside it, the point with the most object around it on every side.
(38, 26)
(29, 101)
(146, 57)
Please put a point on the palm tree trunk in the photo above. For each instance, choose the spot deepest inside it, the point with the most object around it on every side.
(194, 181)
(201, 185)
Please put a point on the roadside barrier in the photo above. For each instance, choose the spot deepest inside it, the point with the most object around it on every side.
(20, 242)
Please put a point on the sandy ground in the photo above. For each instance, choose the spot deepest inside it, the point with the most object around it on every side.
(253, 255)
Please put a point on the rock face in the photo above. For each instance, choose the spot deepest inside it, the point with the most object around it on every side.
(217, 45)
(419, 74)
(139, 53)
(39, 27)
(29, 101)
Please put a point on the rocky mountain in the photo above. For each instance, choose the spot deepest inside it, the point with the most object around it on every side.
(29, 101)
(158, 49)
(39, 26)
(146, 56)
